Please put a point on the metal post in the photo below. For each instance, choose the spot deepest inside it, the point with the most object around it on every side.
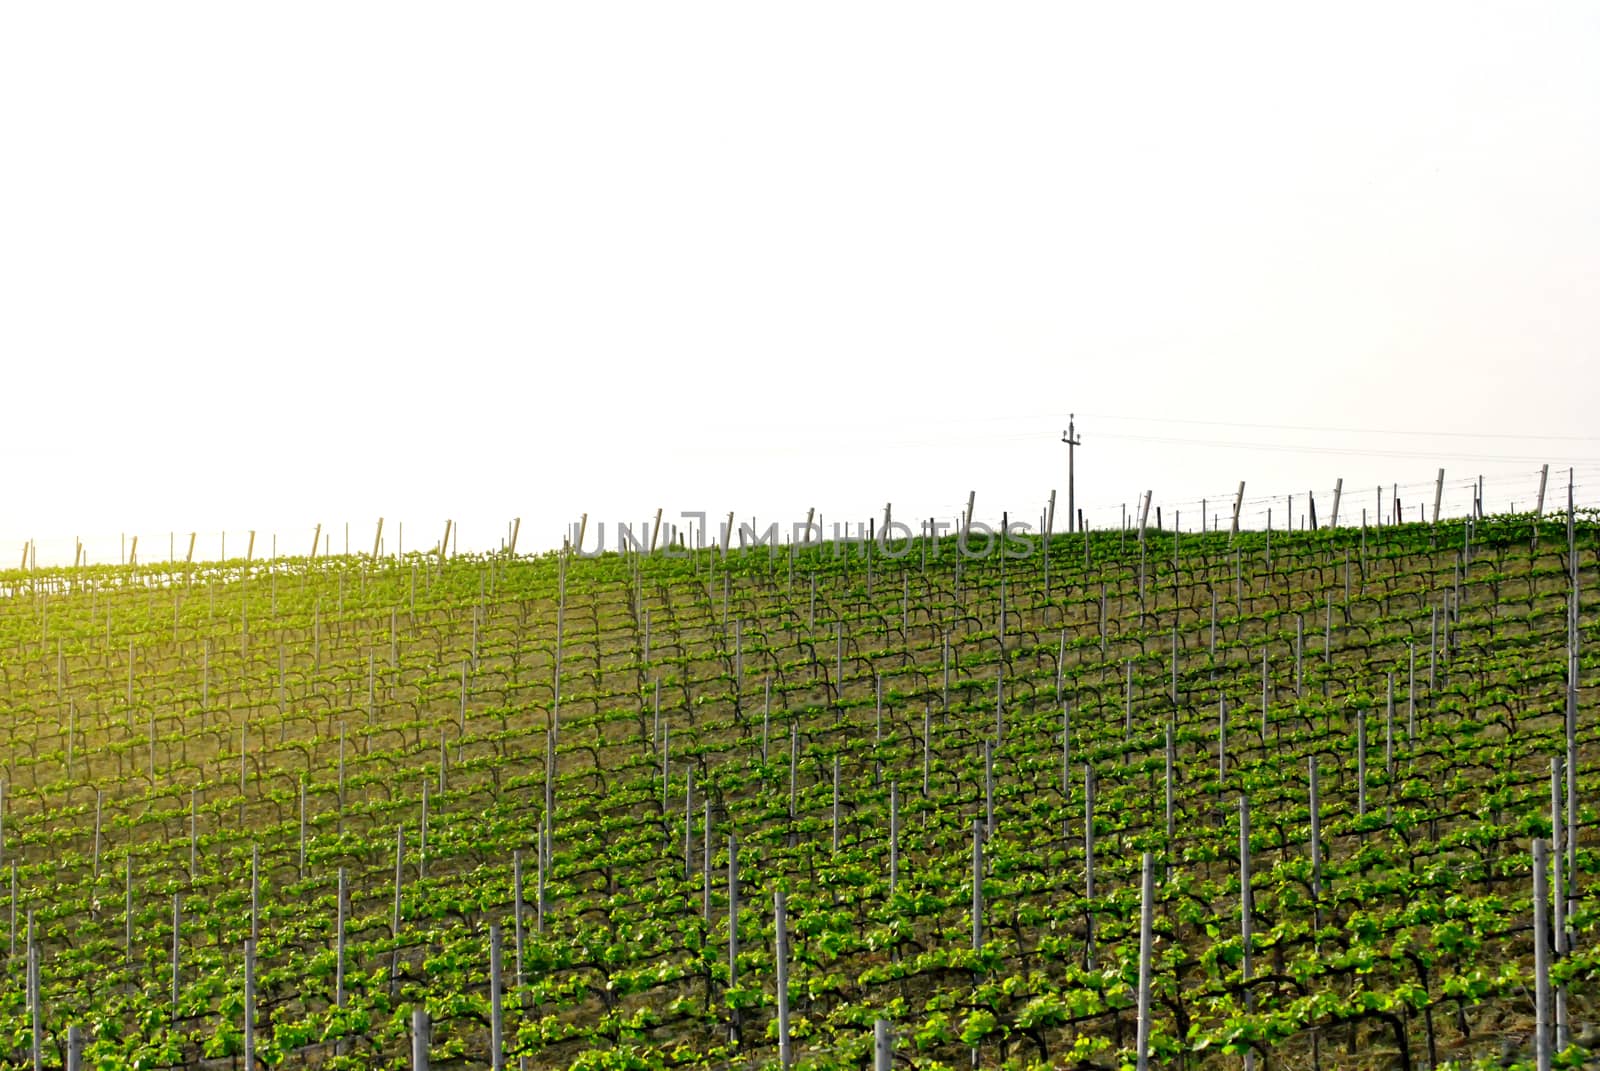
(1174, 665)
(1361, 762)
(836, 805)
(249, 1003)
(1541, 958)
(74, 1048)
(1170, 759)
(421, 1038)
(1088, 861)
(33, 987)
(1573, 665)
(1411, 695)
(1388, 744)
(1558, 922)
(733, 928)
(399, 878)
(516, 896)
(781, 938)
(255, 892)
(177, 934)
(1299, 654)
(894, 837)
(688, 823)
(1433, 649)
(705, 863)
(977, 884)
(497, 1048)
(988, 788)
(546, 864)
(1146, 926)
(338, 963)
(1246, 910)
(1266, 692)
(794, 766)
(1316, 838)
(128, 905)
(99, 802)
(1066, 754)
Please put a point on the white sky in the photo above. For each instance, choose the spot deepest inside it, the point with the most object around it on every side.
(268, 266)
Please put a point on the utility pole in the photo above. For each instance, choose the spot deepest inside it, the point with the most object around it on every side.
(1073, 442)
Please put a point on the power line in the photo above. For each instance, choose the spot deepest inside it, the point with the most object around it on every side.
(1292, 448)
(1352, 431)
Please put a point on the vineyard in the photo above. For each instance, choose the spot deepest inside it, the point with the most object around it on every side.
(812, 806)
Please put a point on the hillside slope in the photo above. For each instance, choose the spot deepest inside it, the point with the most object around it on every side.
(223, 745)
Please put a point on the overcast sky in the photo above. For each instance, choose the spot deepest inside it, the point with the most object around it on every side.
(274, 265)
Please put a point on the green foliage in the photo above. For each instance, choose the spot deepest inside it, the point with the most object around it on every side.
(1417, 912)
